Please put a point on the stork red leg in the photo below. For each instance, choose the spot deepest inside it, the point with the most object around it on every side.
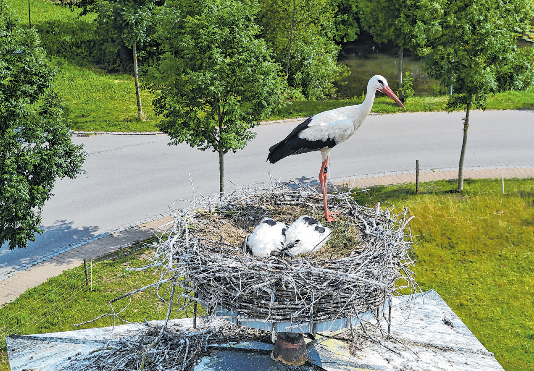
(323, 177)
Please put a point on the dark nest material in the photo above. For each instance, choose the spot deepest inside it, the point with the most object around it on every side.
(161, 348)
(366, 260)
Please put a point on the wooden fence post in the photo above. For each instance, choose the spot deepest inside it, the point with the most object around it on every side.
(416, 176)
(86, 274)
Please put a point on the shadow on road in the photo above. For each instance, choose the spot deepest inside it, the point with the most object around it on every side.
(55, 239)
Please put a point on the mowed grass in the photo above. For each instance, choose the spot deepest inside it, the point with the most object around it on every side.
(511, 100)
(66, 300)
(476, 249)
(97, 101)
(94, 100)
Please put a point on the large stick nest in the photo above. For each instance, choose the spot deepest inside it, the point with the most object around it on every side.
(366, 260)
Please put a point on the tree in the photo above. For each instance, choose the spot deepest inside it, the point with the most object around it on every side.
(346, 20)
(216, 79)
(301, 34)
(35, 144)
(409, 24)
(130, 21)
(477, 53)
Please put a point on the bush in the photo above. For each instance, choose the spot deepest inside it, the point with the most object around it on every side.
(407, 87)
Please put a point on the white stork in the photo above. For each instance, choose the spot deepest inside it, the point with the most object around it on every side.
(268, 238)
(327, 129)
(305, 235)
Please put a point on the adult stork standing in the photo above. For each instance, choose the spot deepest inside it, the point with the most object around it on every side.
(325, 130)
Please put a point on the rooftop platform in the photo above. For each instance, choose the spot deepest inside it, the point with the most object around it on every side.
(425, 335)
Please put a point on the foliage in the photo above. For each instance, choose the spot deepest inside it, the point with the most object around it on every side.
(477, 53)
(129, 20)
(407, 87)
(87, 6)
(346, 20)
(409, 24)
(303, 45)
(35, 144)
(475, 249)
(216, 79)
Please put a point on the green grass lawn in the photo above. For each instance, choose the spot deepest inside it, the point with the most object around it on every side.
(97, 101)
(476, 249)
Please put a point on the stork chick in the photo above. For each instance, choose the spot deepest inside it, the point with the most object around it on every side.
(267, 239)
(305, 235)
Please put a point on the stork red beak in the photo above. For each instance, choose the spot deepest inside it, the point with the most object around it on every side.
(387, 90)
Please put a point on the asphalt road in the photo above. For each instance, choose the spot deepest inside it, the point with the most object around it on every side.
(129, 178)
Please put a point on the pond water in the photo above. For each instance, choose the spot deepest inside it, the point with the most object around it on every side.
(366, 61)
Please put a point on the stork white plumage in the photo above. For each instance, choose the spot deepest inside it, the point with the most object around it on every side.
(305, 235)
(268, 238)
(327, 129)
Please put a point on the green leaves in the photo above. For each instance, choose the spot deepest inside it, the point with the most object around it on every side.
(35, 145)
(407, 23)
(477, 52)
(216, 79)
(303, 45)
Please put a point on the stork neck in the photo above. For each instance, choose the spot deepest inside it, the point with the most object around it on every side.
(367, 104)
(363, 109)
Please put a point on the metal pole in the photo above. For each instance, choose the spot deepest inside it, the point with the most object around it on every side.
(389, 319)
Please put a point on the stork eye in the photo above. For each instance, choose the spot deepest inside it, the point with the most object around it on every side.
(381, 82)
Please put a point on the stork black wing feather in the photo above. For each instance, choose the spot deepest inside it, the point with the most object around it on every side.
(293, 145)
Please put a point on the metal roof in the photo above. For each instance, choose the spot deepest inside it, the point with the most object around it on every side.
(425, 335)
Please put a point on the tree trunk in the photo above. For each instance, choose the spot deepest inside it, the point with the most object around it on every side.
(140, 114)
(464, 144)
(221, 172)
(290, 41)
(401, 57)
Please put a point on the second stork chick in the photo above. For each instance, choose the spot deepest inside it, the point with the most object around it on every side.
(305, 235)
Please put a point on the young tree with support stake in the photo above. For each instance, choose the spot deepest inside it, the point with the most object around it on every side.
(477, 54)
(130, 21)
(35, 144)
(216, 79)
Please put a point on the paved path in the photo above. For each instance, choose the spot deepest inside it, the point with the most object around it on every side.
(16, 284)
(131, 179)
